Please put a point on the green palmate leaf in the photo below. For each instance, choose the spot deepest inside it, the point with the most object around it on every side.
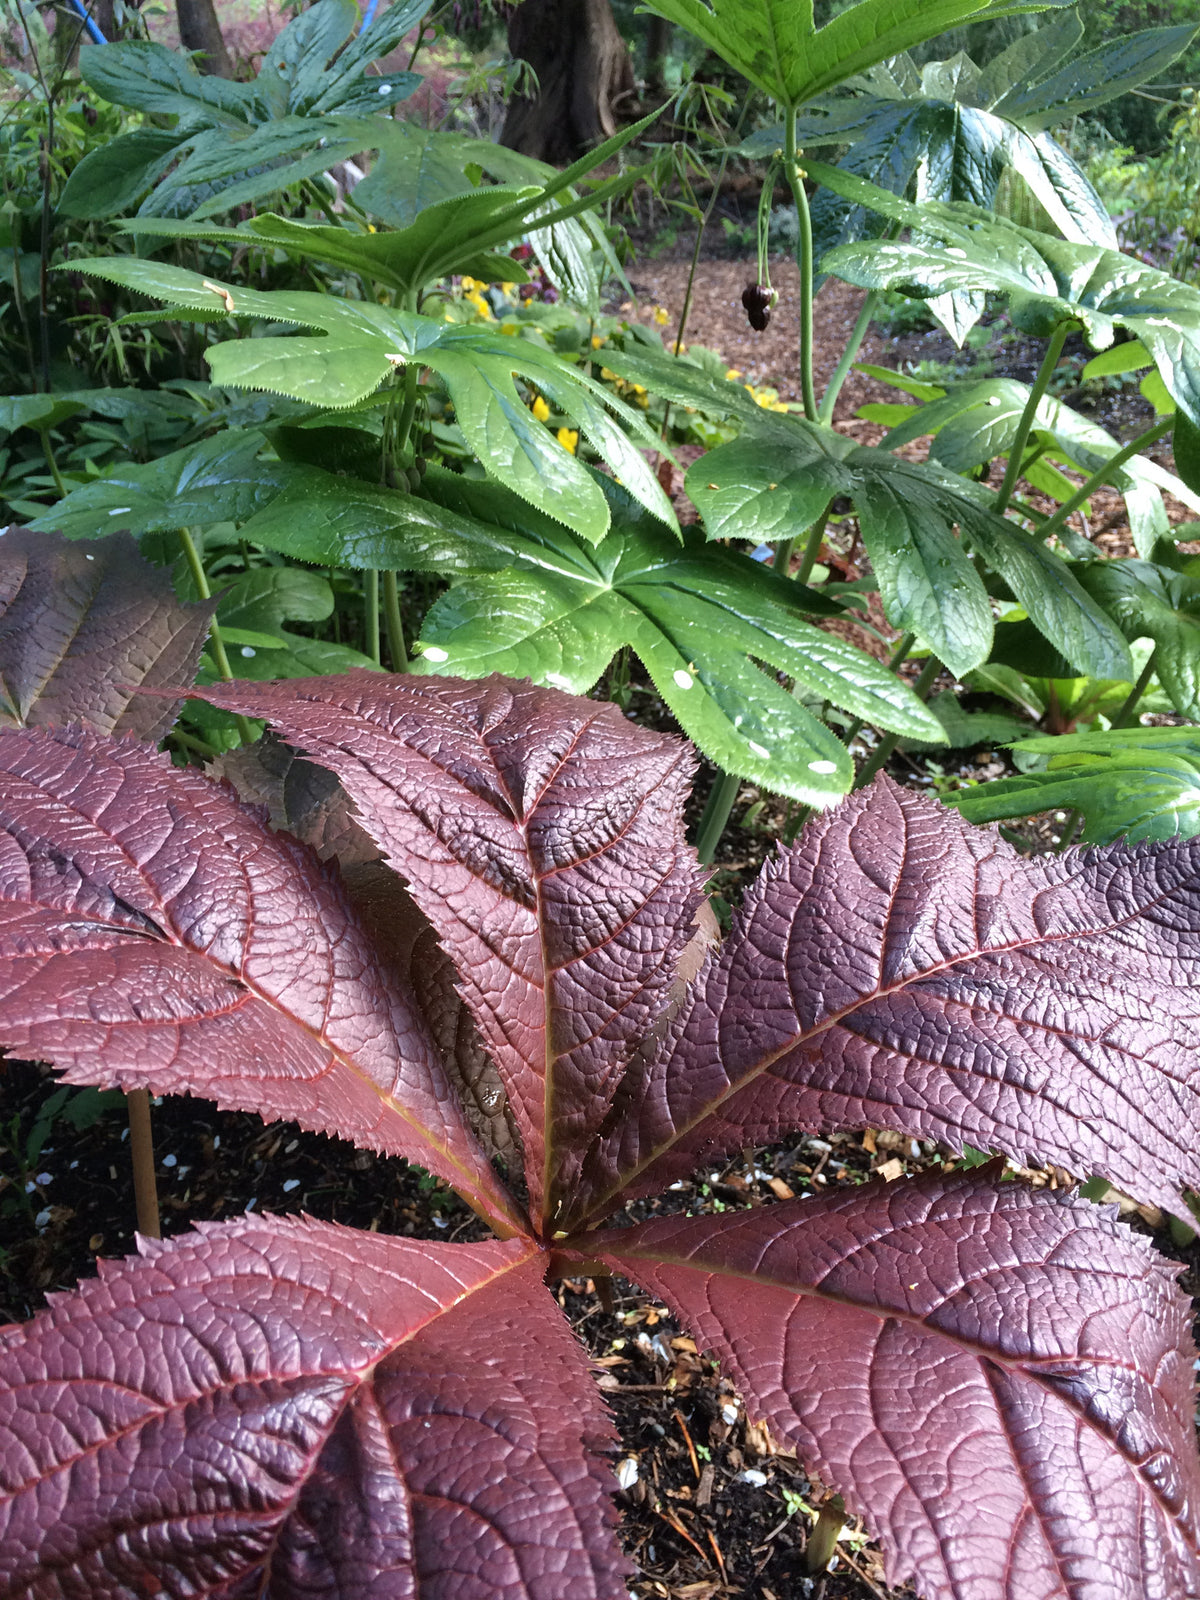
(529, 598)
(1029, 58)
(1152, 602)
(776, 480)
(966, 729)
(219, 480)
(441, 239)
(1098, 76)
(683, 382)
(36, 411)
(366, 343)
(1140, 783)
(775, 45)
(149, 77)
(253, 611)
(1047, 281)
(976, 422)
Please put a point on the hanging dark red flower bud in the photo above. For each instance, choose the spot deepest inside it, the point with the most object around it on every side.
(758, 299)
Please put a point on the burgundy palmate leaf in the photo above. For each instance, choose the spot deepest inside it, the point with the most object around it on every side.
(155, 933)
(997, 1378)
(301, 798)
(404, 938)
(899, 968)
(299, 1411)
(541, 836)
(83, 624)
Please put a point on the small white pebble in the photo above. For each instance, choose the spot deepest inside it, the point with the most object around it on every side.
(627, 1472)
(41, 1220)
(822, 766)
(683, 679)
(753, 1477)
(248, 650)
(170, 1161)
(216, 1141)
(89, 558)
(292, 1183)
(384, 88)
(729, 1413)
(250, 1204)
(44, 1178)
(292, 1144)
(434, 652)
(440, 1222)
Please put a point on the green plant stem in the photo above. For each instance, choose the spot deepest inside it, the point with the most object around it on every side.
(804, 260)
(887, 744)
(781, 561)
(898, 655)
(842, 371)
(323, 202)
(822, 1541)
(1122, 719)
(1104, 475)
(1016, 455)
(813, 548)
(48, 451)
(395, 625)
(191, 551)
(141, 1156)
(371, 615)
(716, 814)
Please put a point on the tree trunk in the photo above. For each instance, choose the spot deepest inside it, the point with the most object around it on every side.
(658, 42)
(199, 29)
(583, 68)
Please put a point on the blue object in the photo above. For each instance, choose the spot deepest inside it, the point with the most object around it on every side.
(368, 15)
(91, 26)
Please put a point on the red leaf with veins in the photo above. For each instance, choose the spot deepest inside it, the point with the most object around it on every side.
(998, 1379)
(154, 932)
(83, 623)
(899, 968)
(293, 1410)
(541, 835)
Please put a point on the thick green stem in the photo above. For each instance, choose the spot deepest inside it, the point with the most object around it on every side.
(804, 260)
(842, 371)
(191, 551)
(1104, 475)
(47, 450)
(395, 626)
(822, 1541)
(371, 615)
(887, 744)
(1041, 383)
(813, 548)
(716, 814)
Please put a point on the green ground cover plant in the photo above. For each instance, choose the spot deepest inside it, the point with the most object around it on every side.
(393, 422)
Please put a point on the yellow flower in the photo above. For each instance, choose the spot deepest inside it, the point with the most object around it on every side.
(569, 439)
(733, 374)
(480, 304)
(371, 228)
(608, 375)
(509, 288)
(469, 284)
(541, 410)
(597, 340)
(662, 316)
(510, 328)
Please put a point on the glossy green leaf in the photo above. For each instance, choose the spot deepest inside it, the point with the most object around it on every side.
(774, 44)
(773, 482)
(1030, 57)
(149, 77)
(1142, 784)
(530, 598)
(113, 178)
(977, 422)
(1097, 76)
(1186, 443)
(965, 730)
(219, 480)
(367, 342)
(1153, 602)
(37, 411)
(1047, 280)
